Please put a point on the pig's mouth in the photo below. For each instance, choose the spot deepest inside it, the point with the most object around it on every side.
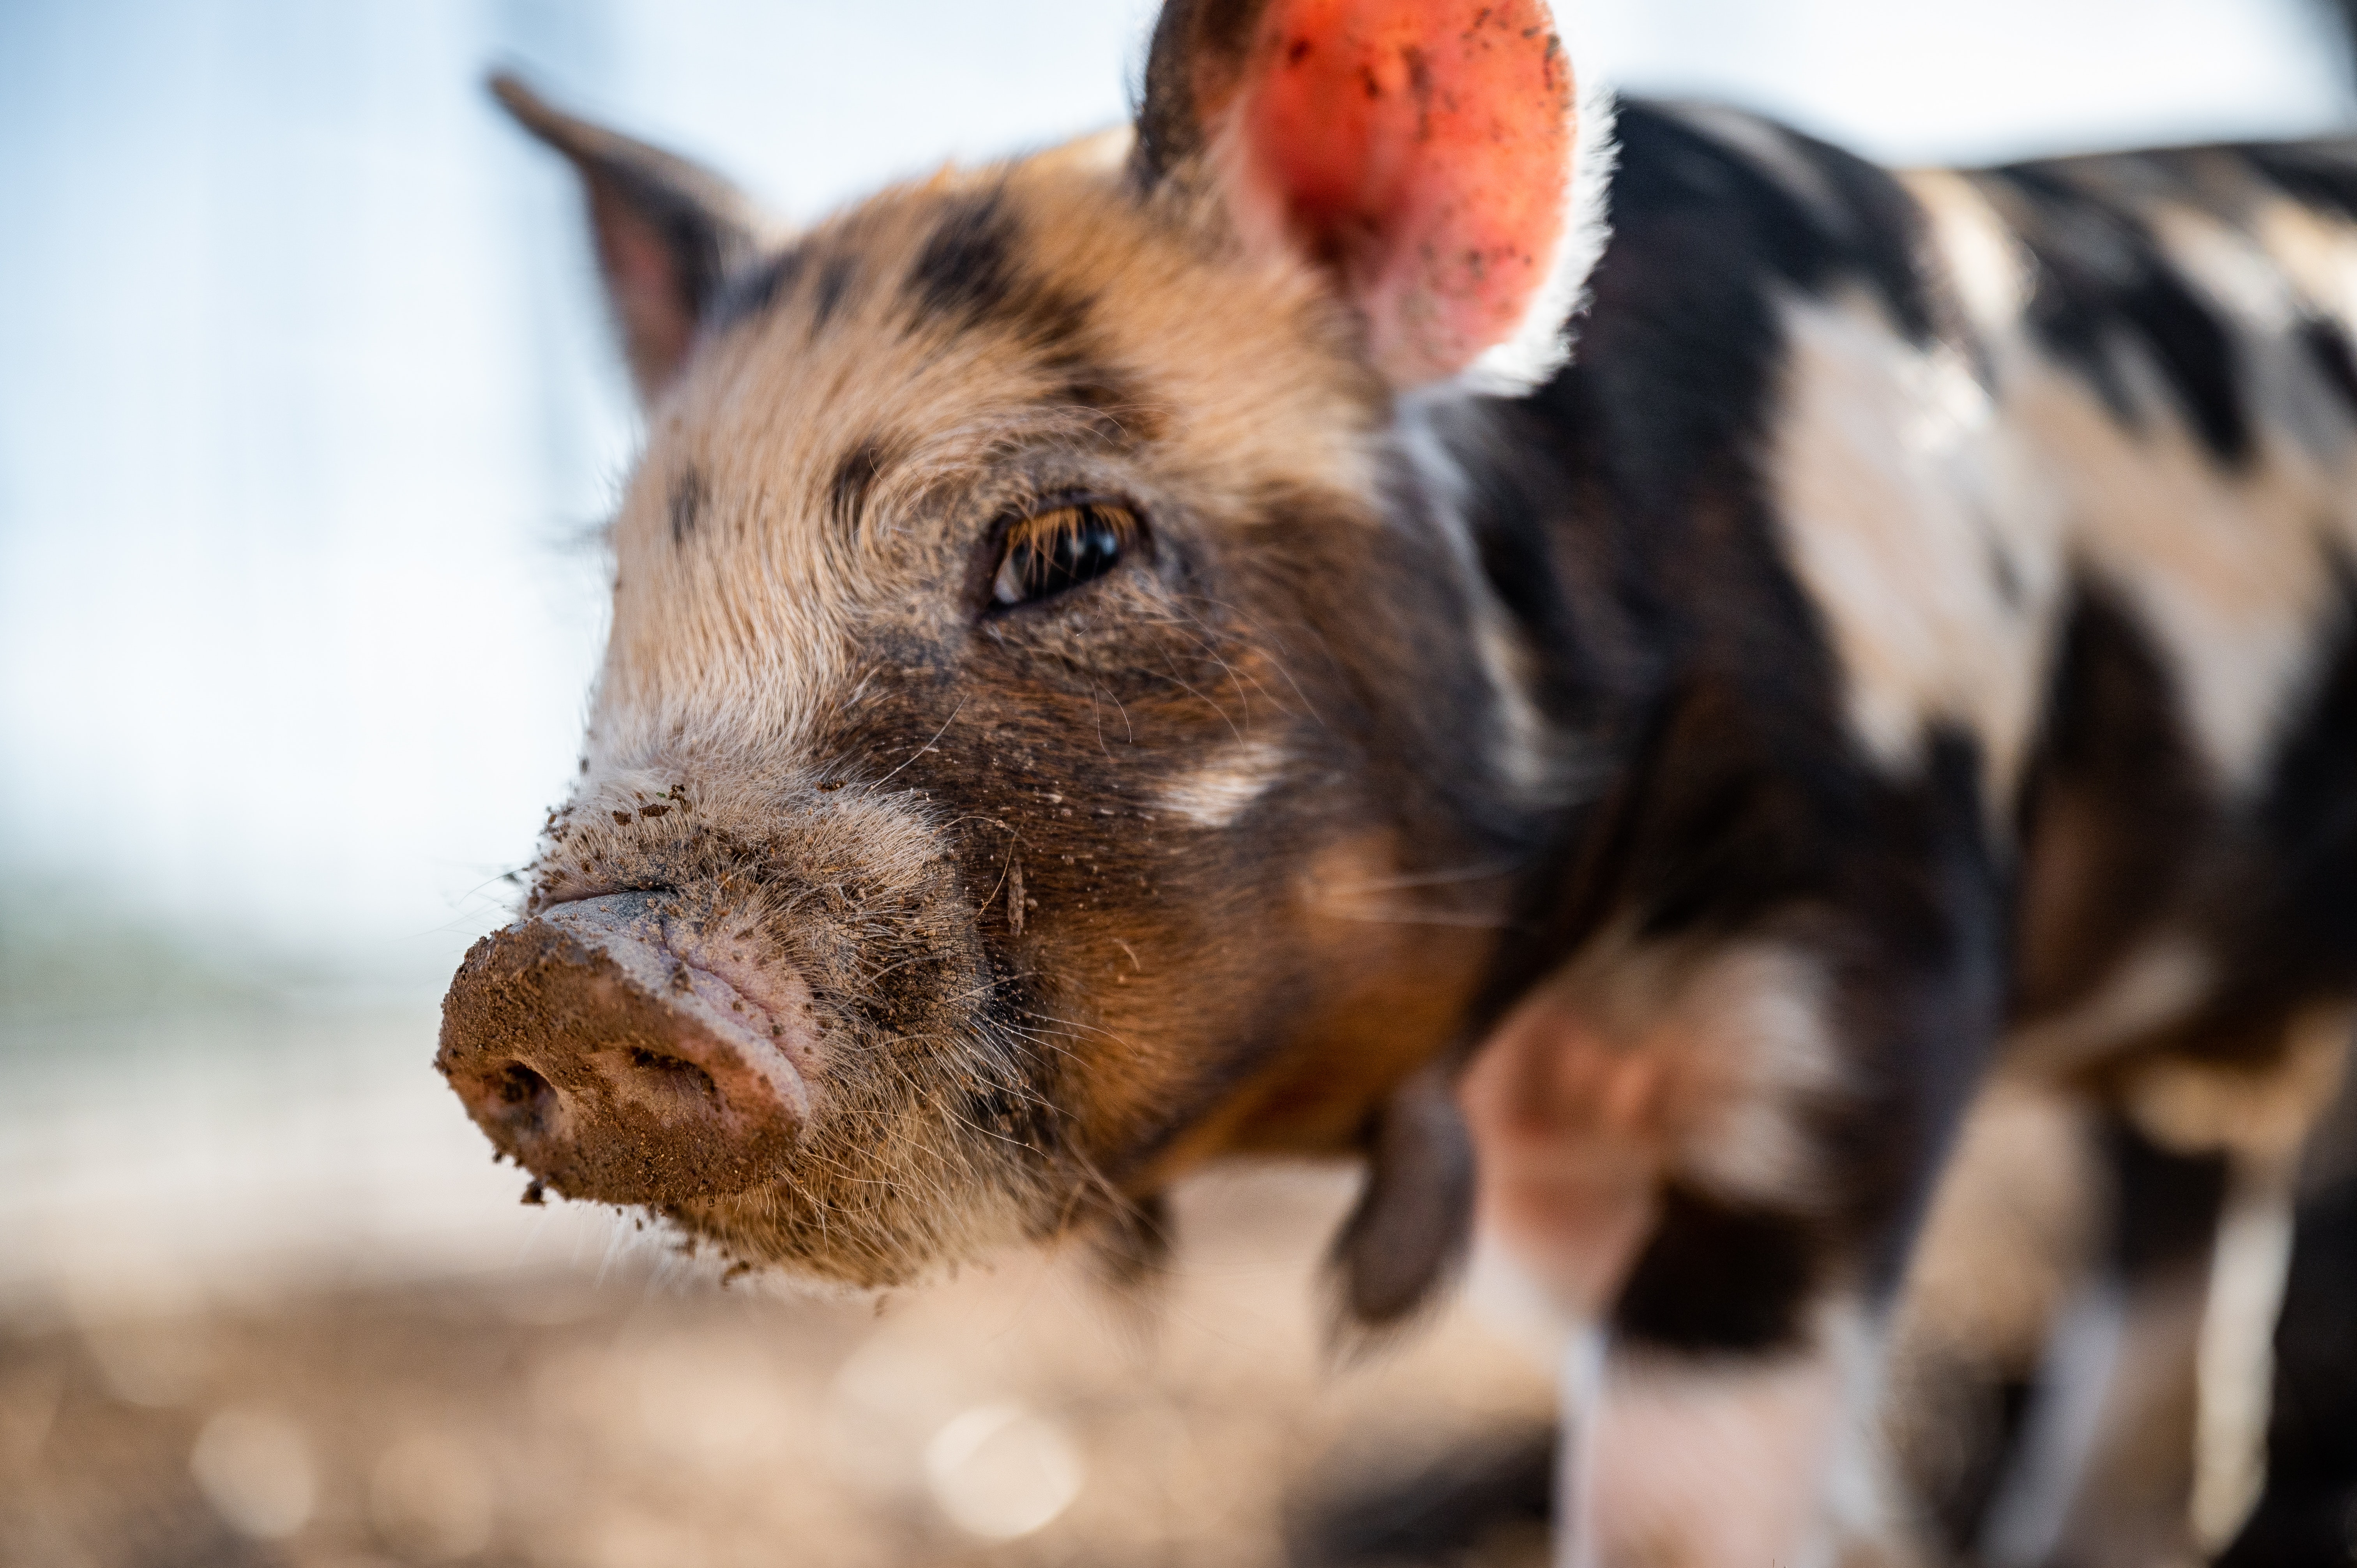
(627, 1054)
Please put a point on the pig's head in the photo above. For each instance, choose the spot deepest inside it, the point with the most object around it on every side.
(1055, 729)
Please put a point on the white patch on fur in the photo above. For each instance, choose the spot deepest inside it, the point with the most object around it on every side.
(2313, 248)
(1513, 1303)
(1741, 1036)
(1902, 501)
(2027, 1517)
(1734, 1466)
(1639, 1063)
(1579, 1387)
(1768, 1003)
(1217, 795)
(2232, 587)
(2266, 1128)
(1542, 342)
(1987, 266)
(2226, 570)
(1750, 1047)
(2012, 1227)
(2235, 1362)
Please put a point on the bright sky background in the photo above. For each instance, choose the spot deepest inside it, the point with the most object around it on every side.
(306, 408)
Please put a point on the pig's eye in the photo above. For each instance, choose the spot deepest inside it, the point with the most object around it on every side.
(1052, 550)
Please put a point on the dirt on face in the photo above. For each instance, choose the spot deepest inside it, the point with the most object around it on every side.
(575, 1067)
(1016, 1418)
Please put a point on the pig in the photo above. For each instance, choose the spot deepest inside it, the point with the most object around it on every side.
(1401, 607)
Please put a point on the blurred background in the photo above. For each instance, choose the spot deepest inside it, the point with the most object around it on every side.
(308, 420)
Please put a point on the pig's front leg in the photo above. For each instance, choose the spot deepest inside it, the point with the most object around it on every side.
(1711, 1152)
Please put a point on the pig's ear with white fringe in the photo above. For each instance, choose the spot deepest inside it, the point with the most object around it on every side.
(1437, 157)
(668, 232)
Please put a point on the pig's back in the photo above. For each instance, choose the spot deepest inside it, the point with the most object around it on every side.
(2058, 462)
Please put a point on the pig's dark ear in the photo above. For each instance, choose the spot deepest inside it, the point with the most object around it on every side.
(1436, 156)
(668, 232)
(1414, 1214)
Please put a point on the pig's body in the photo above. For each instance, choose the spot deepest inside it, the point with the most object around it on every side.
(1971, 555)
(1096, 685)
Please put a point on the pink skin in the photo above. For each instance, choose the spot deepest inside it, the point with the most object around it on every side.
(764, 1011)
(630, 1056)
(1420, 148)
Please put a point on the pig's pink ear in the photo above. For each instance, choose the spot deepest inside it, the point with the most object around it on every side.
(668, 232)
(1435, 156)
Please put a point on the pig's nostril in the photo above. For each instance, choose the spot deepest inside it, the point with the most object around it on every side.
(525, 1098)
(671, 1076)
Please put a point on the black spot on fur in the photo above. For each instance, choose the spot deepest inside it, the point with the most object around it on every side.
(2307, 1518)
(2309, 822)
(1392, 1509)
(1114, 403)
(2114, 794)
(854, 477)
(966, 270)
(2127, 831)
(754, 291)
(1096, 388)
(2329, 351)
(2165, 1205)
(834, 279)
(1687, 320)
(687, 499)
(967, 276)
(1718, 1279)
(2105, 285)
(2321, 174)
(1843, 222)
(1851, 222)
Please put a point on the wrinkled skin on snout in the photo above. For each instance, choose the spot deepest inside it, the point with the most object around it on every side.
(1049, 737)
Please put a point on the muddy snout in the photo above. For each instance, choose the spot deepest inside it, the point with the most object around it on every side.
(625, 1055)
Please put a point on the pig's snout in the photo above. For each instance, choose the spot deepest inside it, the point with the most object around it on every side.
(628, 1058)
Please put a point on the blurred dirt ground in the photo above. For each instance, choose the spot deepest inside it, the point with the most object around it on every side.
(654, 1420)
(264, 1299)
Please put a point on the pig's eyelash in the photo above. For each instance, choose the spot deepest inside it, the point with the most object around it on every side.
(1044, 554)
